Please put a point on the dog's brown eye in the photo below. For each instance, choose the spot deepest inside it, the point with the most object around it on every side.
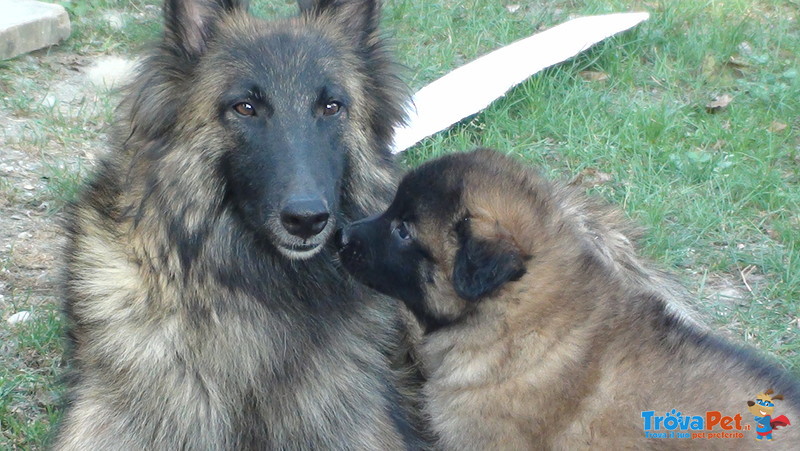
(245, 109)
(331, 108)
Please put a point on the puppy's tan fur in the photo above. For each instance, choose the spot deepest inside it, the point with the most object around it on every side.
(571, 353)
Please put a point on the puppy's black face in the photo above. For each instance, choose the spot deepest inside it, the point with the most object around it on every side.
(383, 253)
(380, 252)
(436, 248)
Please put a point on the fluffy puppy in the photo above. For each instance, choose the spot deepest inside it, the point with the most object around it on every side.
(534, 337)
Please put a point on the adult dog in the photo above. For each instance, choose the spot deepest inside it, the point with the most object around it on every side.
(204, 309)
(534, 337)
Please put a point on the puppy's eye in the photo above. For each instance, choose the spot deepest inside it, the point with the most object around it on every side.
(331, 108)
(245, 109)
(401, 231)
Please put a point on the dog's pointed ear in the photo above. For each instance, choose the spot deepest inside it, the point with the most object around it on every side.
(358, 18)
(189, 24)
(484, 265)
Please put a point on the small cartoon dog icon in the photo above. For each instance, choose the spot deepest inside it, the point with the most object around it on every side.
(762, 408)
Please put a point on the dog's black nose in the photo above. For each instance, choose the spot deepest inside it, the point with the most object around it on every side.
(304, 218)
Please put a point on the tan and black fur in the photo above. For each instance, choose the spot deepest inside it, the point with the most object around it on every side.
(204, 308)
(535, 338)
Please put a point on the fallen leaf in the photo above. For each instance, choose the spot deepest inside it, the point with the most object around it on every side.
(591, 177)
(719, 103)
(777, 127)
(772, 233)
(737, 66)
(737, 63)
(590, 75)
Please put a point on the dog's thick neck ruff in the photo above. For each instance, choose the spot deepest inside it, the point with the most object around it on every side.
(204, 306)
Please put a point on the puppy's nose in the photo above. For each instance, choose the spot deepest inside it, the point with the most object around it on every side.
(304, 218)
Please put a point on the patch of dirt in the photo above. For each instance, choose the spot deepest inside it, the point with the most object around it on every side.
(719, 295)
(77, 99)
(28, 235)
(12, 127)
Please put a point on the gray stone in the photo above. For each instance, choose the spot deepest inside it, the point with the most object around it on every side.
(27, 25)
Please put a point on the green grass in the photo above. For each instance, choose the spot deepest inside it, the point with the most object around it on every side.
(718, 193)
(29, 389)
(63, 183)
(130, 27)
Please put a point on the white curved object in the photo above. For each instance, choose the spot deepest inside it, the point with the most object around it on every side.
(443, 102)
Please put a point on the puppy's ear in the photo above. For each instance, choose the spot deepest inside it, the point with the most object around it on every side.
(482, 266)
